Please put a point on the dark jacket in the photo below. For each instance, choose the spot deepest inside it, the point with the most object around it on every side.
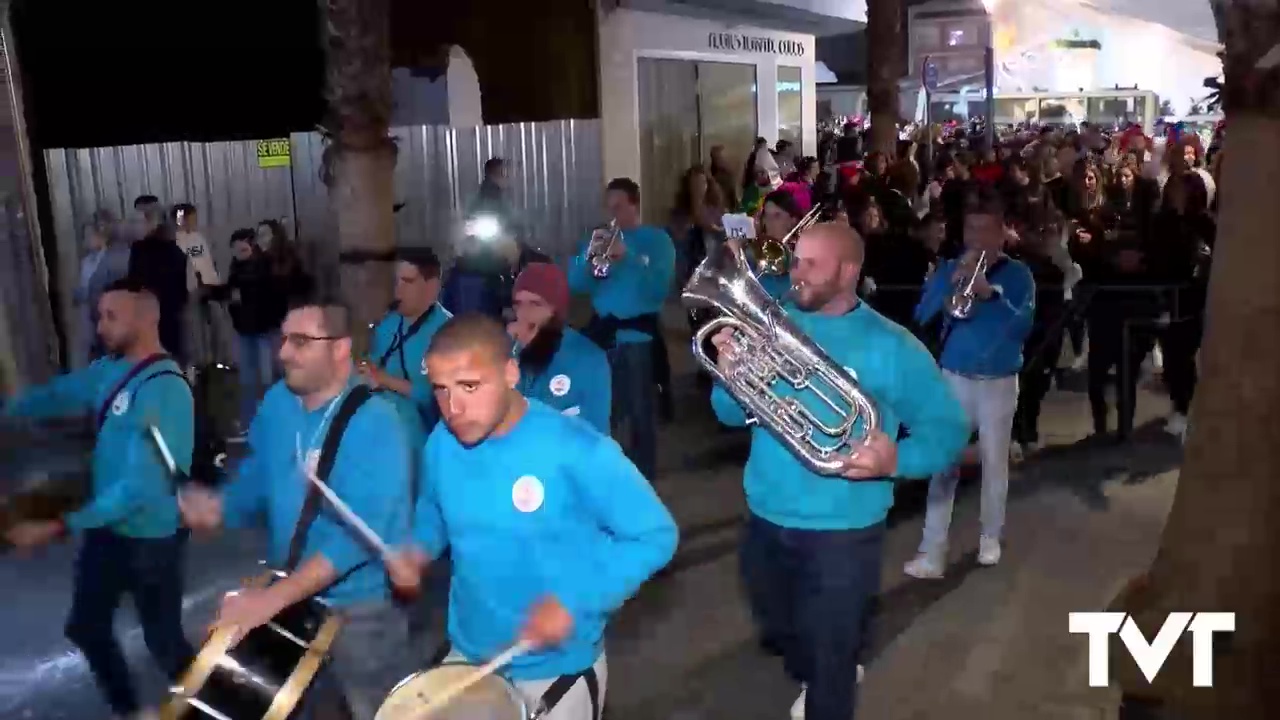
(252, 296)
(158, 264)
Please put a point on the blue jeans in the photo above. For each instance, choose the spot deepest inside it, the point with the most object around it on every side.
(368, 658)
(635, 402)
(256, 364)
(810, 592)
(108, 567)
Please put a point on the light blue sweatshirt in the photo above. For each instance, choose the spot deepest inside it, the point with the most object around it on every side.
(577, 381)
(550, 508)
(894, 369)
(371, 475)
(989, 342)
(638, 284)
(133, 491)
(419, 411)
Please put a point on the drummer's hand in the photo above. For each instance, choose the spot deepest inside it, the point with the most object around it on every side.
(405, 568)
(876, 458)
(34, 533)
(246, 610)
(201, 509)
(549, 623)
(723, 342)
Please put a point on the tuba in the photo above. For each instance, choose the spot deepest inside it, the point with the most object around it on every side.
(773, 257)
(961, 301)
(772, 354)
(598, 251)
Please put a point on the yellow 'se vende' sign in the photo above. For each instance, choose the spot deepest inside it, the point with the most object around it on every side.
(273, 153)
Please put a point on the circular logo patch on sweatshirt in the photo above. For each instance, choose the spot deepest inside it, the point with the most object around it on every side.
(424, 364)
(560, 385)
(120, 405)
(527, 494)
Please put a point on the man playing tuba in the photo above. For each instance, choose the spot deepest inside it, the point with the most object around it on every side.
(812, 551)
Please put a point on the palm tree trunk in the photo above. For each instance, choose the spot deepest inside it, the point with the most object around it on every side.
(884, 68)
(360, 157)
(1218, 548)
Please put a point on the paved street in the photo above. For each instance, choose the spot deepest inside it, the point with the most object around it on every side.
(988, 643)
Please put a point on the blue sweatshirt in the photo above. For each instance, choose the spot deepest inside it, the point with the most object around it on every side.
(895, 370)
(989, 342)
(408, 362)
(133, 491)
(371, 475)
(577, 381)
(638, 284)
(550, 508)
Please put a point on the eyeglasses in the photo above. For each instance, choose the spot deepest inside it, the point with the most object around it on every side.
(301, 340)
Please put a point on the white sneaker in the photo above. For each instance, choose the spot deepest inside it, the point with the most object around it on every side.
(988, 551)
(924, 567)
(861, 672)
(1016, 453)
(1176, 425)
(1080, 363)
(797, 707)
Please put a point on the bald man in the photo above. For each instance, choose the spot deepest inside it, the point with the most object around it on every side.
(131, 543)
(812, 551)
(550, 526)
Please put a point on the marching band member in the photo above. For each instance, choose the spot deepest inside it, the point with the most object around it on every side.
(369, 470)
(980, 358)
(551, 527)
(812, 551)
(558, 365)
(131, 541)
(397, 362)
(627, 304)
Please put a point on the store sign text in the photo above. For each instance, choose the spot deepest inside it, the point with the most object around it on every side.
(750, 43)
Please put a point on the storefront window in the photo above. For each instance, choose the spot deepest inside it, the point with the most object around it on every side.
(790, 105)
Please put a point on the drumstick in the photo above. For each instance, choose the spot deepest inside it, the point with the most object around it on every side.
(451, 693)
(164, 450)
(350, 516)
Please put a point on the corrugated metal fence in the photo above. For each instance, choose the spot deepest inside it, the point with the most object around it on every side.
(555, 169)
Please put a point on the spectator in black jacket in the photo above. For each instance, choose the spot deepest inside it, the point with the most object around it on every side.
(157, 263)
(253, 301)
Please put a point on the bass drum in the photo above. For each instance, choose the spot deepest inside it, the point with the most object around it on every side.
(44, 469)
(265, 676)
(492, 698)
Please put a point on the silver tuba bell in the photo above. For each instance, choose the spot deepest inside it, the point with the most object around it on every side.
(772, 354)
(960, 302)
(598, 251)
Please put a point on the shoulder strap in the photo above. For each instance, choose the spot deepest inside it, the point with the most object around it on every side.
(124, 382)
(402, 338)
(328, 455)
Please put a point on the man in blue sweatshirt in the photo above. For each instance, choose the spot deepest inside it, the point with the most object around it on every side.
(550, 527)
(980, 358)
(397, 359)
(370, 474)
(812, 551)
(131, 544)
(558, 365)
(628, 305)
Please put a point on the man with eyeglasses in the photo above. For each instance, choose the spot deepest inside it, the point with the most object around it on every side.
(322, 421)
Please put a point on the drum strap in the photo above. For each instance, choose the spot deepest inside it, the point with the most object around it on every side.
(124, 382)
(561, 685)
(328, 455)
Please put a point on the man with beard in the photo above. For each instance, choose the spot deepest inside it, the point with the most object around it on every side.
(551, 527)
(321, 421)
(397, 359)
(558, 365)
(131, 541)
(812, 550)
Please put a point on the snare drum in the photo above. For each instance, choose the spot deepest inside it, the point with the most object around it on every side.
(493, 698)
(266, 674)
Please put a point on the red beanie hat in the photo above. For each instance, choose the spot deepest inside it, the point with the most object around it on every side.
(548, 282)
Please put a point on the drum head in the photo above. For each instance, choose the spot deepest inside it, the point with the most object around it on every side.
(493, 698)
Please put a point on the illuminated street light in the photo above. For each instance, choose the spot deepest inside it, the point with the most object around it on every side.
(484, 227)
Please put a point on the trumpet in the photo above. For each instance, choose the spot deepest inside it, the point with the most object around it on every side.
(961, 302)
(773, 257)
(598, 251)
(787, 384)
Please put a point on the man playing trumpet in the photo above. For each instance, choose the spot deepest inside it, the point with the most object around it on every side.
(812, 551)
(981, 356)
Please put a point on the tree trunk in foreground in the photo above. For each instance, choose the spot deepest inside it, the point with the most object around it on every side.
(884, 67)
(361, 156)
(1218, 548)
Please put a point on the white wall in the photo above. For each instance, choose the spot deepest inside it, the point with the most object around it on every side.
(626, 35)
